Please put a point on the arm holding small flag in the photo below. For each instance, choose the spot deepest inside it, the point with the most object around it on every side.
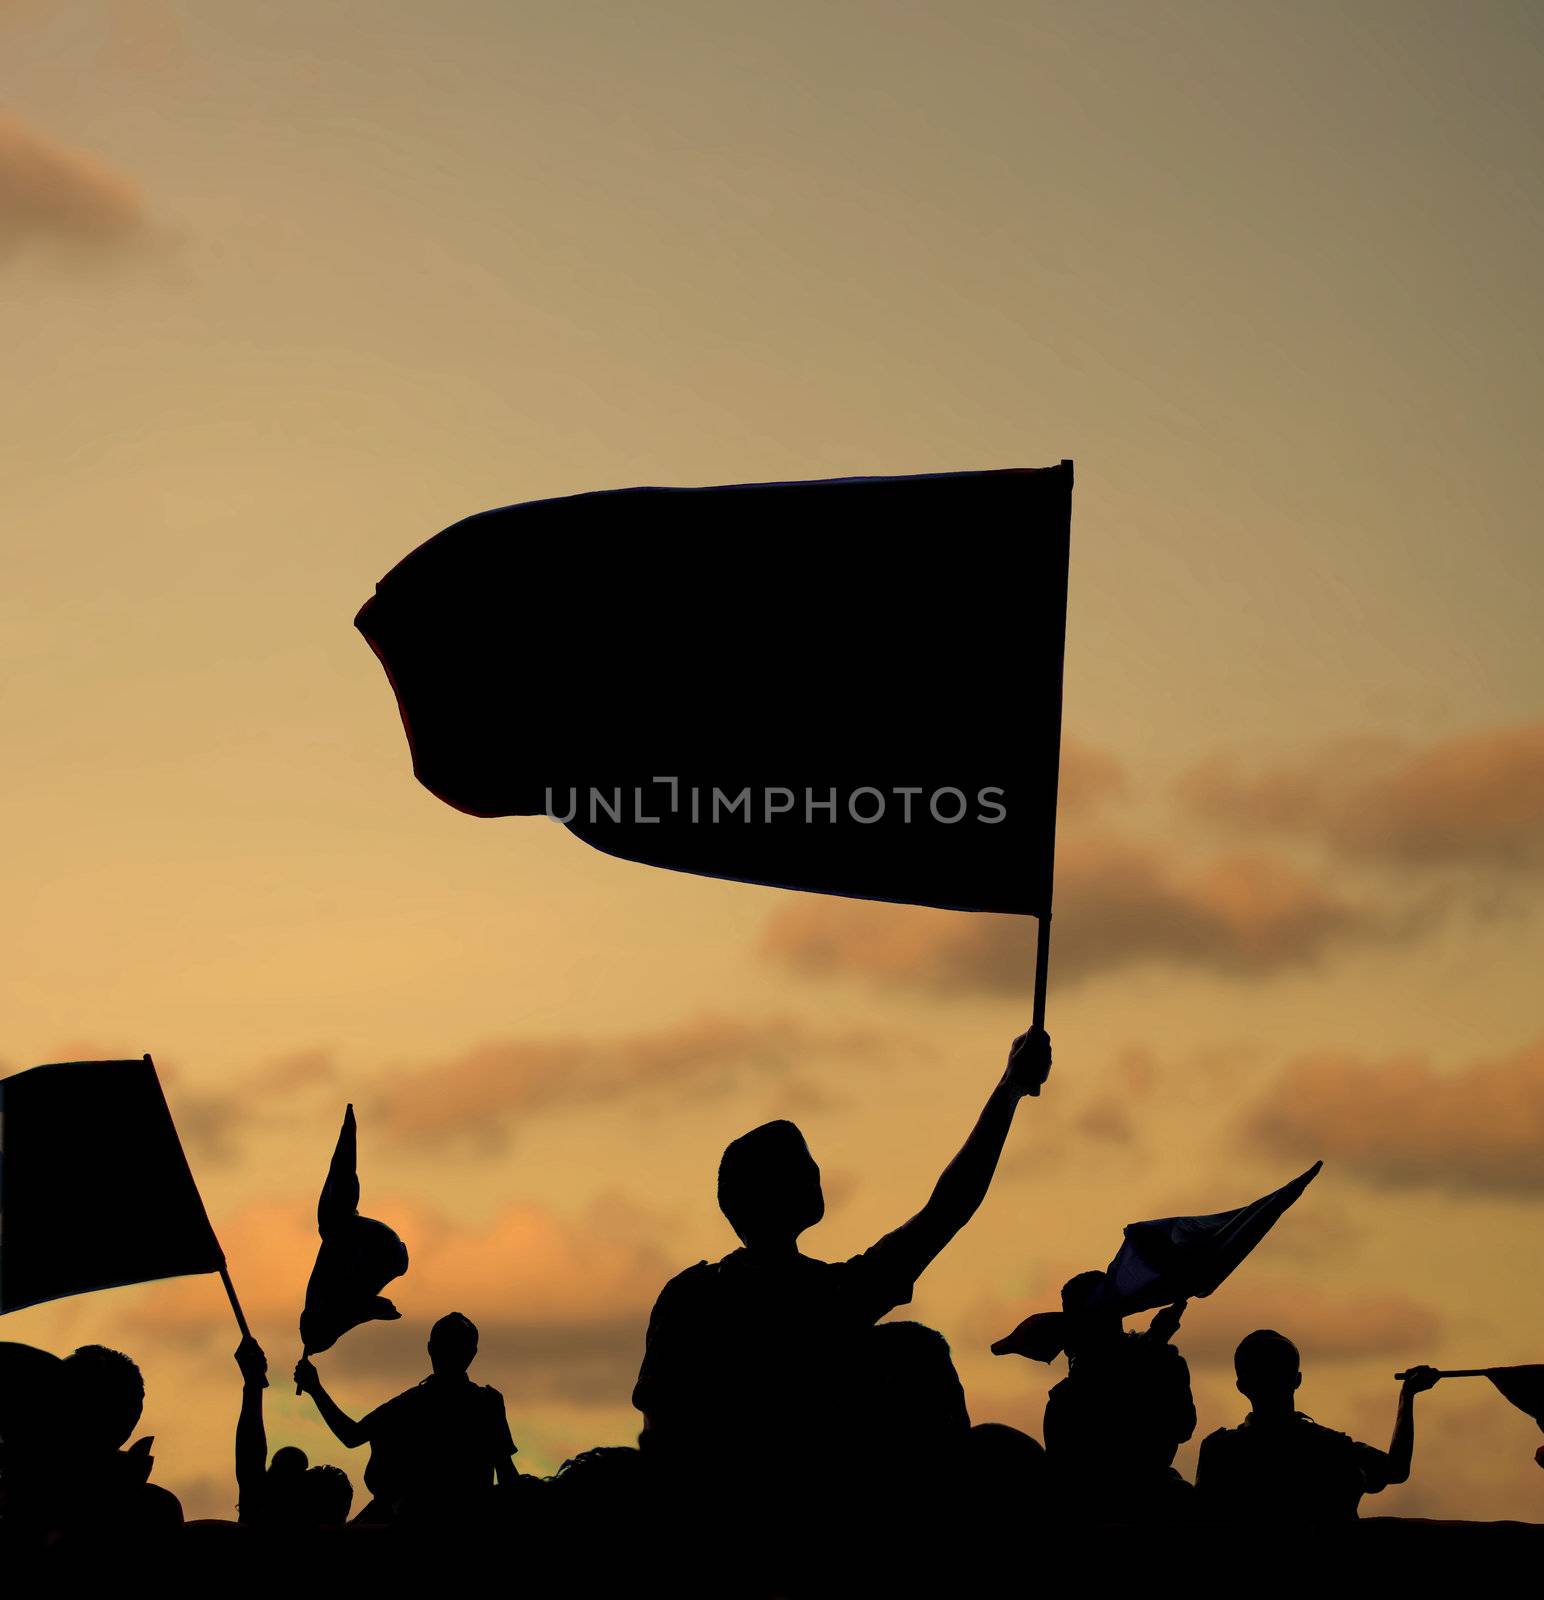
(1402, 1446)
(349, 1433)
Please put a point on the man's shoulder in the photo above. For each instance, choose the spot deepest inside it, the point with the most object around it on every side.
(689, 1284)
(160, 1506)
(400, 1405)
(1324, 1438)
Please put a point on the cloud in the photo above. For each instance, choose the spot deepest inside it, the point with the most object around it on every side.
(1399, 1123)
(1324, 1326)
(54, 192)
(561, 1303)
(214, 1120)
(1475, 800)
(1121, 903)
(1090, 777)
(478, 1094)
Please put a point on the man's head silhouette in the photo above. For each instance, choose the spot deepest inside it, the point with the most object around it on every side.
(328, 1497)
(452, 1345)
(106, 1395)
(1268, 1370)
(1086, 1328)
(769, 1186)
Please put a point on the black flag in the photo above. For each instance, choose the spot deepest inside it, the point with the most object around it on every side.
(851, 686)
(95, 1190)
(357, 1259)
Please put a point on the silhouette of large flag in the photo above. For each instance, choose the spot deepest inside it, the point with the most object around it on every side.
(95, 1190)
(358, 1256)
(850, 686)
(1162, 1261)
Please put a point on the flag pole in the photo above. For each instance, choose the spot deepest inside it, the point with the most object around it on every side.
(1043, 919)
(230, 1293)
(1042, 973)
(1457, 1372)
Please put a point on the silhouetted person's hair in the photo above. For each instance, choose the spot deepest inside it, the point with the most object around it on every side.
(917, 1392)
(1078, 1291)
(1267, 1365)
(1008, 1457)
(106, 1395)
(328, 1497)
(452, 1344)
(289, 1461)
(769, 1185)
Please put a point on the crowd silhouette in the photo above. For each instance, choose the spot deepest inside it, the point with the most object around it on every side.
(792, 1441)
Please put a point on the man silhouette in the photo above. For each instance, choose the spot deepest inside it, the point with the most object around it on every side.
(1114, 1423)
(110, 1495)
(1280, 1466)
(437, 1449)
(745, 1382)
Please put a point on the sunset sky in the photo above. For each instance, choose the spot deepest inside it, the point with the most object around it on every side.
(285, 288)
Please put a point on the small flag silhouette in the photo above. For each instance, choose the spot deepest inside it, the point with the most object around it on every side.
(357, 1259)
(1163, 1261)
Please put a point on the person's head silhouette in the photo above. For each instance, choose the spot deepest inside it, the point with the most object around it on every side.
(106, 1395)
(769, 1186)
(1086, 1329)
(452, 1345)
(327, 1496)
(918, 1401)
(1268, 1369)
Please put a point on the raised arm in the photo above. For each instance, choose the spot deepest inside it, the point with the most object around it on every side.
(1402, 1445)
(251, 1437)
(346, 1431)
(959, 1192)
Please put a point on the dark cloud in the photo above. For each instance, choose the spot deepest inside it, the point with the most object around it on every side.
(477, 1095)
(1324, 1326)
(581, 1362)
(214, 1120)
(1475, 800)
(561, 1303)
(53, 192)
(1120, 903)
(1400, 1123)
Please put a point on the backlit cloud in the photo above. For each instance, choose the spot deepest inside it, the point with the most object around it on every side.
(478, 1094)
(1120, 903)
(561, 1303)
(1401, 1123)
(53, 191)
(1474, 800)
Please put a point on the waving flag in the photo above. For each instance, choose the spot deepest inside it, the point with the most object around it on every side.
(1523, 1386)
(850, 686)
(1174, 1258)
(358, 1256)
(1162, 1261)
(95, 1190)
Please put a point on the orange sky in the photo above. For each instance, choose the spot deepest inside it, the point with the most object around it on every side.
(286, 289)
